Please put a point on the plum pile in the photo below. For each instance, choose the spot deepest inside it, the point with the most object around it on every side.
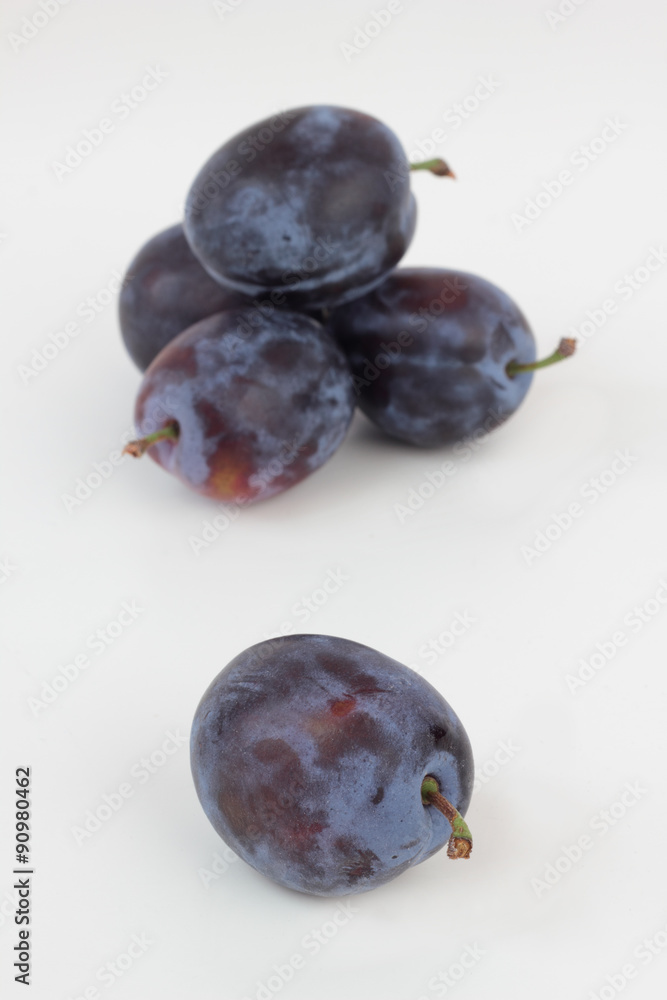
(277, 307)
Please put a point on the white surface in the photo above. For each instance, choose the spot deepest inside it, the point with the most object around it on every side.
(70, 572)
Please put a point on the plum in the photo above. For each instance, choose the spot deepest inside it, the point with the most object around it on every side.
(321, 761)
(241, 410)
(437, 355)
(313, 205)
(165, 291)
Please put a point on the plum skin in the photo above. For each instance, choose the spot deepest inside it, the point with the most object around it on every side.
(428, 350)
(308, 753)
(165, 291)
(257, 408)
(302, 203)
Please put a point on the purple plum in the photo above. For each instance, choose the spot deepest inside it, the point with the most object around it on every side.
(165, 291)
(438, 356)
(312, 206)
(241, 410)
(319, 761)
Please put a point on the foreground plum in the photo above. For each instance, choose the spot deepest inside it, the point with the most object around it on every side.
(438, 356)
(312, 206)
(239, 417)
(165, 291)
(330, 767)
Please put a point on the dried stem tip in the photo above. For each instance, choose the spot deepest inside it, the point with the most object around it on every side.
(437, 167)
(565, 349)
(460, 842)
(137, 448)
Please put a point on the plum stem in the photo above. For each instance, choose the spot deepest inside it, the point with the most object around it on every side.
(437, 167)
(460, 842)
(137, 448)
(565, 349)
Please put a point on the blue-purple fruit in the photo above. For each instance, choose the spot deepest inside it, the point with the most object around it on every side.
(318, 759)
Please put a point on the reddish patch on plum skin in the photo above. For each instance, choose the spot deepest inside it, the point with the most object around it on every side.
(228, 478)
(276, 807)
(343, 707)
(447, 289)
(234, 477)
(355, 732)
(176, 356)
(301, 833)
(211, 419)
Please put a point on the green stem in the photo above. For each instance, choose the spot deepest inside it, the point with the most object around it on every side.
(460, 842)
(565, 349)
(437, 167)
(138, 447)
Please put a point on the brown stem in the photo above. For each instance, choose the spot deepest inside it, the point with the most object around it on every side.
(137, 448)
(437, 167)
(460, 842)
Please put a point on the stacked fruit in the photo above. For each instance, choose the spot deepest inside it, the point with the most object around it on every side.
(276, 307)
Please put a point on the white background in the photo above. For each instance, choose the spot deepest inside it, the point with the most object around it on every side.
(536, 617)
